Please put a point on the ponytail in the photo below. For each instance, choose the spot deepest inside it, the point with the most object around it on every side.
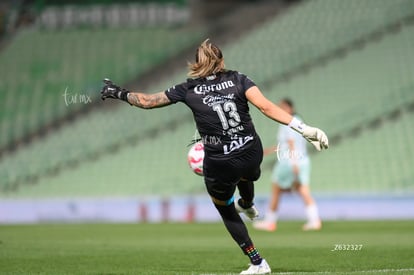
(209, 60)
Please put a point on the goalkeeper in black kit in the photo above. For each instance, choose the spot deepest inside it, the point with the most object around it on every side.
(218, 99)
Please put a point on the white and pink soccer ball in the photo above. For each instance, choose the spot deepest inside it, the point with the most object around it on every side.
(195, 158)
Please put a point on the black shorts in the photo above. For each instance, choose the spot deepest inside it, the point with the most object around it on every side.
(222, 176)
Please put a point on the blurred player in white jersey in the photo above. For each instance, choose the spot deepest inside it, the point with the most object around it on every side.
(291, 171)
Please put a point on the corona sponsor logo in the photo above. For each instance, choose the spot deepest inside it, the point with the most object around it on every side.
(203, 89)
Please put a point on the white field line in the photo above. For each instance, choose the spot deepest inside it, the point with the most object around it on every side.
(372, 271)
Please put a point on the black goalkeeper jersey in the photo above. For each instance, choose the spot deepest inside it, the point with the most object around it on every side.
(220, 109)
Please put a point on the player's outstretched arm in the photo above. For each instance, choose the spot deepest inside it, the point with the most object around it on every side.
(148, 101)
(314, 135)
(267, 107)
(141, 100)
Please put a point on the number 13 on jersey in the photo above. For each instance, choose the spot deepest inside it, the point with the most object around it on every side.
(230, 108)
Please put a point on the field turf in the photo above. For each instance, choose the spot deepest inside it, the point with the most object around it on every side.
(380, 247)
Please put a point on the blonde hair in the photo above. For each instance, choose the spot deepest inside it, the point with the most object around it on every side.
(209, 60)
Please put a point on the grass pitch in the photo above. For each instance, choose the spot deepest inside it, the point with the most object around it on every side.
(386, 247)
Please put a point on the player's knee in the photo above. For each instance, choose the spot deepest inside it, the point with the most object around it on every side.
(219, 202)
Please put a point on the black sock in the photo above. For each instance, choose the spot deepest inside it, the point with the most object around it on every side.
(246, 191)
(237, 229)
(251, 251)
(245, 204)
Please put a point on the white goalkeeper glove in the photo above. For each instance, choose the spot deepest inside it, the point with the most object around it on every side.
(314, 135)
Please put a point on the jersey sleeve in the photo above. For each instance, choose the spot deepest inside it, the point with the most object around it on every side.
(177, 93)
(246, 82)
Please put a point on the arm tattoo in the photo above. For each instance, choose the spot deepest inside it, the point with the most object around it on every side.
(148, 101)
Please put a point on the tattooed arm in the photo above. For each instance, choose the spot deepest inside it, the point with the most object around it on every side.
(141, 100)
(148, 101)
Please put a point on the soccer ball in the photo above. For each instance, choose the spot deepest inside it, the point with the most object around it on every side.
(195, 158)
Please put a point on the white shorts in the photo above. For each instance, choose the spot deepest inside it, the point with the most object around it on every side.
(284, 177)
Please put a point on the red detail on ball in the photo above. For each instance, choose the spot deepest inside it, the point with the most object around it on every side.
(193, 160)
(199, 146)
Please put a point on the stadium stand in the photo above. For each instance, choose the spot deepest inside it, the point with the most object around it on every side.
(39, 66)
(372, 81)
(143, 168)
(311, 31)
(378, 161)
(98, 133)
(344, 96)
